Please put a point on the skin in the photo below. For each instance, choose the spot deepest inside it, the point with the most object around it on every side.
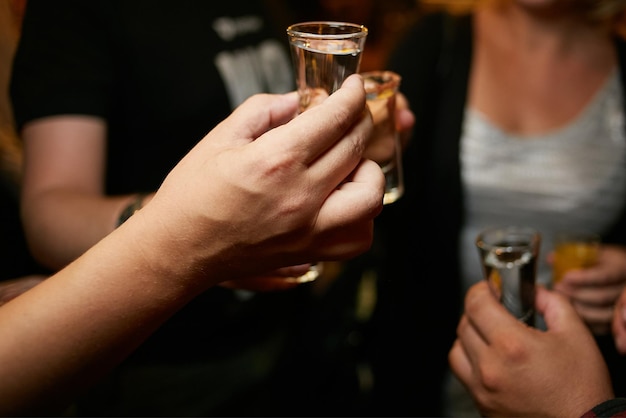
(65, 210)
(284, 191)
(594, 291)
(10, 289)
(544, 56)
(63, 204)
(619, 324)
(515, 370)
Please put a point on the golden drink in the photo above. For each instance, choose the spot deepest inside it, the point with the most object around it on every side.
(570, 255)
(385, 147)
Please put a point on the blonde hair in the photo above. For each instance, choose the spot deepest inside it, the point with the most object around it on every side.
(603, 10)
(599, 11)
(10, 147)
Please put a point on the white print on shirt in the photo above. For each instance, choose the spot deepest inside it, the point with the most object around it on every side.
(229, 28)
(264, 68)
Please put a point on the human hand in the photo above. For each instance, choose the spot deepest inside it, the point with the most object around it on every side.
(515, 370)
(382, 145)
(619, 323)
(284, 278)
(405, 119)
(593, 291)
(265, 189)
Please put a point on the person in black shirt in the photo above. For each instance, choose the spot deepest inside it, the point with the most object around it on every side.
(108, 96)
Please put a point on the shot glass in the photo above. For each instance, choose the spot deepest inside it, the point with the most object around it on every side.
(381, 88)
(573, 250)
(508, 257)
(324, 54)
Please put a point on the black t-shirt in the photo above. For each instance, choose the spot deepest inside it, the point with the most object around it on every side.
(162, 74)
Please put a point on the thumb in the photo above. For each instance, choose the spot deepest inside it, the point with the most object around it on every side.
(558, 312)
(619, 324)
(259, 114)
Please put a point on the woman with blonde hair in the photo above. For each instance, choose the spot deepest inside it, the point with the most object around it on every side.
(520, 121)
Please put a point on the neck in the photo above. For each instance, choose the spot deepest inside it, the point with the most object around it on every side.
(554, 28)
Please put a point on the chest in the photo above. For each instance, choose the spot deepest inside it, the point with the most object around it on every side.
(528, 93)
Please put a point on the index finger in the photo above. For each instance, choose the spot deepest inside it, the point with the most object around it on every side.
(319, 128)
(619, 324)
(594, 276)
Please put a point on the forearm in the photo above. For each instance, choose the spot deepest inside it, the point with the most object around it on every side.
(61, 226)
(64, 203)
(66, 332)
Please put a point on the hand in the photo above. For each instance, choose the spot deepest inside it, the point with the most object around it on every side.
(263, 190)
(619, 323)
(272, 189)
(405, 119)
(593, 291)
(514, 370)
(381, 146)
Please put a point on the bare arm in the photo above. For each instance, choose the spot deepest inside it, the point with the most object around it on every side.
(64, 207)
(282, 193)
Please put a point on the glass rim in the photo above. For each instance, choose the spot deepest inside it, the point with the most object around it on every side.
(380, 77)
(379, 81)
(358, 30)
(532, 233)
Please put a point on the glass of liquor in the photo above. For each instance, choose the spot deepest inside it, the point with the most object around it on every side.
(574, 250)
(324, 54)
(381, 88)
(508, 257)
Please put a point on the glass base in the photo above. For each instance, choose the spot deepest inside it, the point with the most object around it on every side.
(314, 272)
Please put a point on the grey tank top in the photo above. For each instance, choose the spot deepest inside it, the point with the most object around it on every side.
(573, 177)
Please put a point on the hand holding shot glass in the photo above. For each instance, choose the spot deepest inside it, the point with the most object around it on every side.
(508, 257)
(324, 54)
(574, 250)
(385, 148)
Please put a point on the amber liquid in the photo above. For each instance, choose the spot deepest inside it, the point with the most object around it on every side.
(573, 255)
(386, 148)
